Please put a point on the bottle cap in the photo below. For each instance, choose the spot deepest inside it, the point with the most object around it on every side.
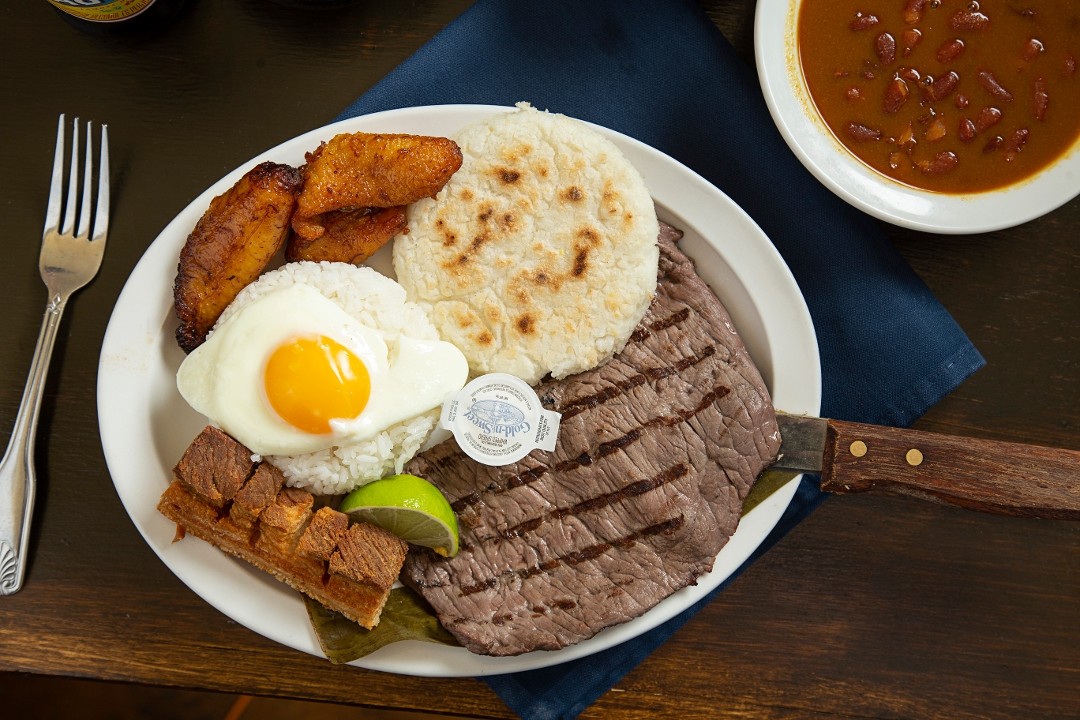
(497, 419)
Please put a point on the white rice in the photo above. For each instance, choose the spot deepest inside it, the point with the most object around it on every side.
(378, 302)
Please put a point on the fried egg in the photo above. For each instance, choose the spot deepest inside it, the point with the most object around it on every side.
(292, 373)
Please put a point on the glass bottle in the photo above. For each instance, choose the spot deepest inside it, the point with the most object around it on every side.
(119, 17)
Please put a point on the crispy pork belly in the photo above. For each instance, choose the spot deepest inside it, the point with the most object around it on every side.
(215, 467)
(260, 489)
(347, 568)
(326, 530)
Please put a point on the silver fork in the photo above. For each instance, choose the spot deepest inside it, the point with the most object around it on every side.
(71, 252)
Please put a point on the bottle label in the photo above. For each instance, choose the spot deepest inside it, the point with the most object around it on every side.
(104, 11)
(497, 419)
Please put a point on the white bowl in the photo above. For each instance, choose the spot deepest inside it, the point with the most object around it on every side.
(789, 101)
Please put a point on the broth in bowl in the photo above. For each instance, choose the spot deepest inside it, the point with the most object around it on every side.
(951, 97)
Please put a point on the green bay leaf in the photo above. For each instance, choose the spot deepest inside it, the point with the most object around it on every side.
(404, 617)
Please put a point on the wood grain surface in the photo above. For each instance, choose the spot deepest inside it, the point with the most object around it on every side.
(874, 607)
(992, 476)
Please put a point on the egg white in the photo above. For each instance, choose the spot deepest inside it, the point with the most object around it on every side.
(223, 378)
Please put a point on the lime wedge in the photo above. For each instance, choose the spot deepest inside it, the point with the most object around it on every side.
(408, 506)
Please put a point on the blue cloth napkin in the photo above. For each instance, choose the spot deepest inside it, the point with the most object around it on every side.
(660, 71)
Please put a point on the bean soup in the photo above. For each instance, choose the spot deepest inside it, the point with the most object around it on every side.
(948, 96)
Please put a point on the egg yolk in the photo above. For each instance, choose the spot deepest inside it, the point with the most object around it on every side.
(309, 381)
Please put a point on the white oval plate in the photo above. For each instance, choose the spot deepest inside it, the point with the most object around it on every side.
(146, 425)
(793, 111)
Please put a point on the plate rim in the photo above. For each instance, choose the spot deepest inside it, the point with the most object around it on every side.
(115, 364)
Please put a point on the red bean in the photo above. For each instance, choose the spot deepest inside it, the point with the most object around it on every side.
(862, 133)
(913, 11)
(941, 87)
(910, 74)
(1042, 98)
(961, 101)
(853, 93)
(987, 118)
(943, 162)
(1032, 49)
(968, 20)
(966, 131)
(1015, 143)
(863, 22)
(992, 86)
(992, 144)
(909, 40)
(950, 50)
(885, 48)
(896, 94)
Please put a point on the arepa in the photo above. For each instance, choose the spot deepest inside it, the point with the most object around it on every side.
(540, 254)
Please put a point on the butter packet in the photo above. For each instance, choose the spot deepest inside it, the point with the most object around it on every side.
(497, 419)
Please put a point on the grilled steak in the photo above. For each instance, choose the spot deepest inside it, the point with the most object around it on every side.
(657, 449)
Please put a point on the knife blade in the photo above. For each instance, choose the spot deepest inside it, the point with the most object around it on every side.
(986, 475)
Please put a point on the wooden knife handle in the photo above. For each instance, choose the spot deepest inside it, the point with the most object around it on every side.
(997, 477)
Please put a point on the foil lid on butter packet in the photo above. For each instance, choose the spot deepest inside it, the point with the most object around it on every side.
(497, 419)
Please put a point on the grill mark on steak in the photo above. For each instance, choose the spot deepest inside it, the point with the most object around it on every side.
(647, 375)
(587, 458)
(653, 374)
(643, 332)
(593, 561)
(639, 487)
(576, 557)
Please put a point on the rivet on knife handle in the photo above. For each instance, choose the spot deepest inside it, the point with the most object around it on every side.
(986, 475)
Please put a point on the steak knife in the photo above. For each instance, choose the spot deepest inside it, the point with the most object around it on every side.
(997, 477)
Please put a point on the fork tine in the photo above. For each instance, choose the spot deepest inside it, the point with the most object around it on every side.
(56, 192)
(73, 181)
(82, 230)
(101, 214)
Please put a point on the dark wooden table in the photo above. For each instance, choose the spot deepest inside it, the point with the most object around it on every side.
(873, 607)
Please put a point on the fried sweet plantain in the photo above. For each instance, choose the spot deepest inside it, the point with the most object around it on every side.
(365, 170)
(350, 236)
(231, 245)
